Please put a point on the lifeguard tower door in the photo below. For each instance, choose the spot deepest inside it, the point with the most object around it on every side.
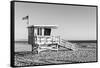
(31, 39)
(31, 35)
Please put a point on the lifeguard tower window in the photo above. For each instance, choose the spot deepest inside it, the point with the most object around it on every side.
(39, 31)
(47, 31)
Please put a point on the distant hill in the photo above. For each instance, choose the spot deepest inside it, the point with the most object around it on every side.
(83, 41)
(72, 41)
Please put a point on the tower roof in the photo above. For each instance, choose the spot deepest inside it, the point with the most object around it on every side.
(43, 26)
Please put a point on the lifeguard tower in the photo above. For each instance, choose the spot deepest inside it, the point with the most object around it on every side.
(39, 36)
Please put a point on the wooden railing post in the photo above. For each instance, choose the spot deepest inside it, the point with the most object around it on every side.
(59, 39)
(52, 39)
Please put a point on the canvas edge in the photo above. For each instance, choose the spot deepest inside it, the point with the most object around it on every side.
(12, 7)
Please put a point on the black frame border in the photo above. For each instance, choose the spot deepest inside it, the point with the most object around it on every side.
(12, 19)
(12, 34)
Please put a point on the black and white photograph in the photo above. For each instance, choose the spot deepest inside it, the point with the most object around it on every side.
(53, 33)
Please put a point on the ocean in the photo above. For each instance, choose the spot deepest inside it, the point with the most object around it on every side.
(21, 46)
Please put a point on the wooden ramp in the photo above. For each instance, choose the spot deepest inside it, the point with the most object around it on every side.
(63, 45)
(68, 45)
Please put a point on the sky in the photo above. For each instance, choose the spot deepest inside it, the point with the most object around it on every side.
(74, 22)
